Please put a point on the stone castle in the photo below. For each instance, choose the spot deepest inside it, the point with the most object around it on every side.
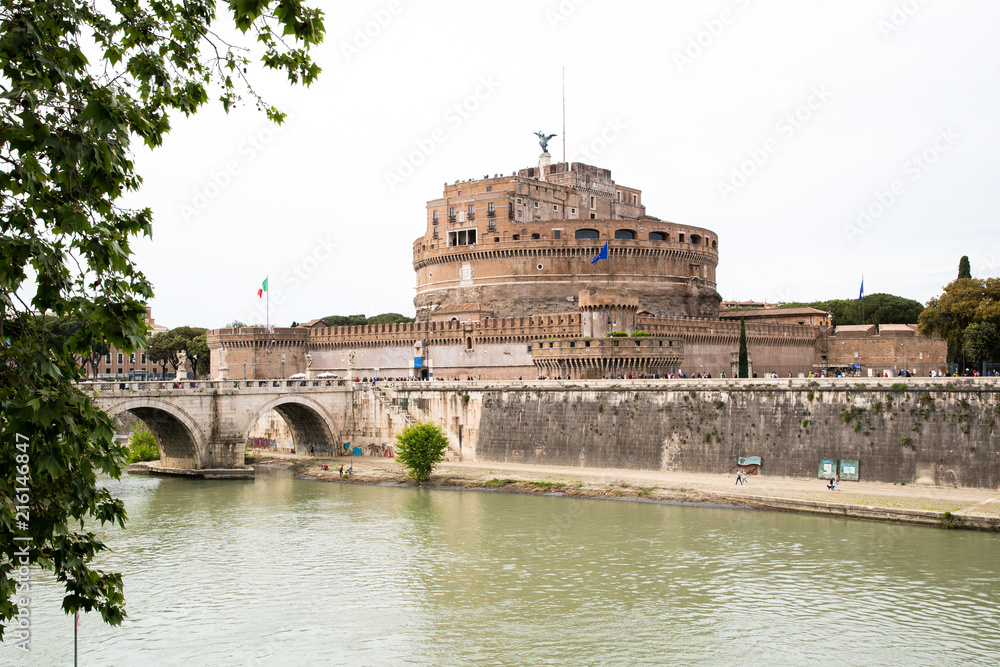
(507, 287)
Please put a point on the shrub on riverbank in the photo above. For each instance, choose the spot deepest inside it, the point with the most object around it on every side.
(142, 446)
(419, 448)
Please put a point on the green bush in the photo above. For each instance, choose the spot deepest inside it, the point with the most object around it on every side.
(616, 334)
(640, 334)
(142, 446)
(419, 448)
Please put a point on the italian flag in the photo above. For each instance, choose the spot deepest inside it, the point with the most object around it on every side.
(262, 289)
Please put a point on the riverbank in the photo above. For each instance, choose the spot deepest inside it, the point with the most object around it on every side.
(976, 509)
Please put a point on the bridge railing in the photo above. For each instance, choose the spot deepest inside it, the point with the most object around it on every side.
(187, 385)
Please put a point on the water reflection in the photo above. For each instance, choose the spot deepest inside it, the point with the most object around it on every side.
(284, 571)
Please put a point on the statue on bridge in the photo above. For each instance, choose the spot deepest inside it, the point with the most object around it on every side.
(182, 365)
(309, 365)
(223, 366)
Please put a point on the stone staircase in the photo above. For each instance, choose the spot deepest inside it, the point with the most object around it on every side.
(386, 396)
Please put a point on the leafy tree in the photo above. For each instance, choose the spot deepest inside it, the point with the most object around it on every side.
(963, 302)
(744, 355)
(161, 350)
(389, 318)
(419, 448)
(78, 81)
(964, 270)
(981, 342)
(142, 445)
(878, 309)
(238, 324)
(361, 320)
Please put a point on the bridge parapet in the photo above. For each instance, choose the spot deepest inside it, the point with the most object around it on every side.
(241, 386)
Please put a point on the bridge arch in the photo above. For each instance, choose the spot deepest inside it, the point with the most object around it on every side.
(180, 440)
(307, 420)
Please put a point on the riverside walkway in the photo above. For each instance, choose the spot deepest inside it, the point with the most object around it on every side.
(917, 504)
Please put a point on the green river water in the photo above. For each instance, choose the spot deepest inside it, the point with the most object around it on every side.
(280, 571)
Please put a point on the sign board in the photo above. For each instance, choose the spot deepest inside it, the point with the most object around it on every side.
(849, 469)
(418, 362)
(748, 461)
(857, 365)
(827, 469)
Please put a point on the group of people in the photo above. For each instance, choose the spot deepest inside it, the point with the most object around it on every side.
(834, 484)
(741, 477)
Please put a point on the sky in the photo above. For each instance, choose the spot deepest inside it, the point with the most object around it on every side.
(822, 142)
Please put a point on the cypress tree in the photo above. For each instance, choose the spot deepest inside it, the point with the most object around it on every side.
(964, 270)
(744, 363)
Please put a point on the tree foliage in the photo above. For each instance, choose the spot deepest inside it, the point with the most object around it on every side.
(79, 80)
(419, 448)
(964, 269)
(964, 302)
(981, 342)
(878, 309)
(142, 445)
(165, 348)
(361, 320)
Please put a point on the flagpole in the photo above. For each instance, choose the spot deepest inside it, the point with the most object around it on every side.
(267, 307)
(564, 111)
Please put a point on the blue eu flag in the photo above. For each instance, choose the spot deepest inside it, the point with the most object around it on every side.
(601, 255)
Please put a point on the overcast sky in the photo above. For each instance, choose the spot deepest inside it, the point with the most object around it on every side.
(821, 141)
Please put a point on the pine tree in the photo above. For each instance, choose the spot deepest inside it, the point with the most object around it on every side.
(964, 270)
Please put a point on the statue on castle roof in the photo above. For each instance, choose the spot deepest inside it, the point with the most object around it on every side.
(543, 141)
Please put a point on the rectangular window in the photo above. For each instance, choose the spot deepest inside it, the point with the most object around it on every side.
(555, 208)
(120, 357)
(635, 199)
(573, 211)
(618, 195)
(518, 200)
(143, 357)
(451, 212)
(462, 237)
(435, 217)
(680, 238)
(489, 188)
(119, 370)
(107, 358)
(131, 359)
(593, 201)
(491, 208)
(557, 234)
(471, 210)
(536, 204)
(593, 216)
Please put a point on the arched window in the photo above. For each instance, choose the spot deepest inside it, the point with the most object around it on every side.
(658, 236)
(536, 236)
(715, 244)
(587, 234)
(624, 234)
(695, 239)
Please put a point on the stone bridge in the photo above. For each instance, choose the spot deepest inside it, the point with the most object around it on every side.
(202, 425)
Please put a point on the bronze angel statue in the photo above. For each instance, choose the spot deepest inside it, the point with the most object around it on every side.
(543, 141)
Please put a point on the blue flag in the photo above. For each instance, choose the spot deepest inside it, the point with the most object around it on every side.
(862, 294)
(601, 255)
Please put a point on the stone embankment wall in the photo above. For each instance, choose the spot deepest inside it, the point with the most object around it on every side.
(940, 432)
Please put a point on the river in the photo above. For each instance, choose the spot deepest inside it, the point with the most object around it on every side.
(287, 572)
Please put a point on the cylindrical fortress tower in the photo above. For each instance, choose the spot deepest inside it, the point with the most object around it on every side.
(520, 245)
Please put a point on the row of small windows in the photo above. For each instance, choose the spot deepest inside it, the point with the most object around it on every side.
(629, 235)
(131, 358)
